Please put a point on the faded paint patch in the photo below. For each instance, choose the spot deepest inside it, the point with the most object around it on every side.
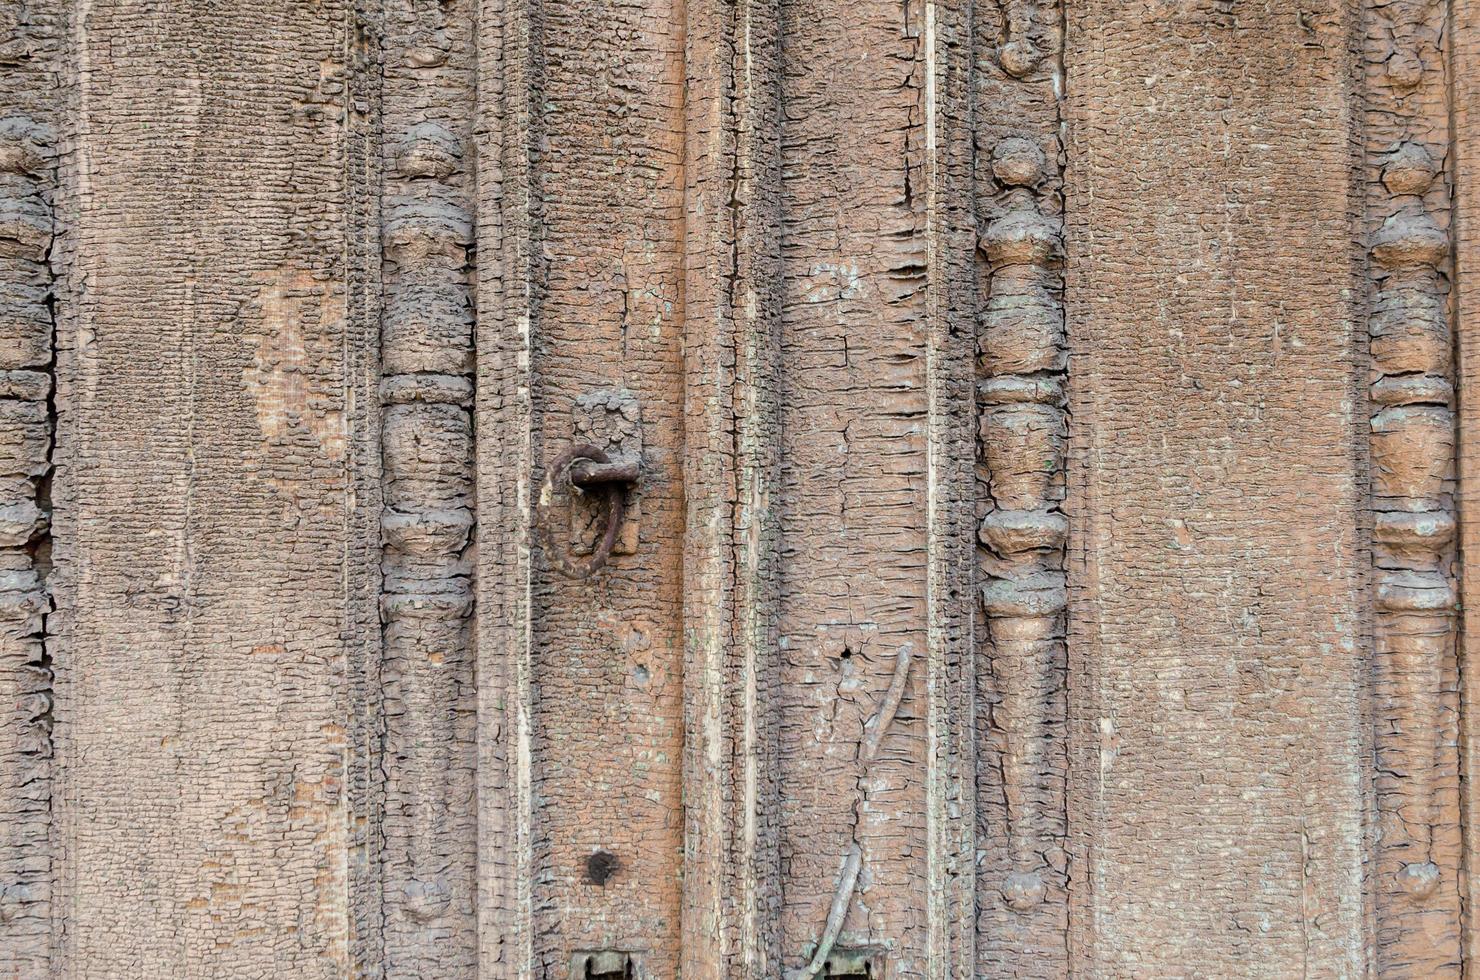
(295, 389)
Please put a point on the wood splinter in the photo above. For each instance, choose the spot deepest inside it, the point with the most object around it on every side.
(873, 735)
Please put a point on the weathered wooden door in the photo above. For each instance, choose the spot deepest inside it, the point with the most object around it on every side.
(734, 489)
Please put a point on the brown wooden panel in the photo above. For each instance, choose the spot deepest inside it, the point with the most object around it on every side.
(583, 234)
(1049, 527)
(1218, 640)
(216, 546)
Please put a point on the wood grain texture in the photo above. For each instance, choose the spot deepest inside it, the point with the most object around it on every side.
(580, 207)
(1055, 432)
(1464, 99)
(951, 290)
(874, 352)
(607, 651)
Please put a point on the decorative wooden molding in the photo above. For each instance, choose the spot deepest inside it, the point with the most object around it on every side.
(506, 133)
(27, 177)
(1021, 50)
(427, 357)
(949, 669)
(1412, 442)
(1022, 369)
(1023, 432)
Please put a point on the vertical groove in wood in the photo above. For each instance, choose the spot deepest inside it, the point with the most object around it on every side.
(506, 135)
(29, 76)
(1021, 380)
(362, 703)
(426, 394)
(950, 303)
(732, 443)
(1416, 875)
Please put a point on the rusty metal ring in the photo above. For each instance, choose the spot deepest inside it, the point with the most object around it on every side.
(615, 507)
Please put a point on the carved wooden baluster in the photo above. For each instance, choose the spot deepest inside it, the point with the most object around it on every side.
(26, 432)
(1023, 429)
(1413, 50)
(427, 523)
(1412, 456)
(1020, 53)
(1412, 442)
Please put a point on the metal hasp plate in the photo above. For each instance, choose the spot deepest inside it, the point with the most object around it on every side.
(610, 420)
(853, 963)
(605, 965)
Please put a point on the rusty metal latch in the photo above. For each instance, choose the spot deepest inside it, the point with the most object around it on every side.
(586, 469)
(588, 472)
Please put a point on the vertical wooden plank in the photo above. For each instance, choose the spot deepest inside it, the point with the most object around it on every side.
(875, 707)
(584, 209)
(508, 223)
(853, 495)
(1218, 631)
(214, 553)
(608, 649)
(364, 796)
(732, 887)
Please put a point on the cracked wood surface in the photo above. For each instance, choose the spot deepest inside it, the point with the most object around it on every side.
(607, 651)
(1053, 483)
(856, 551)
(426, 676)
(507, 224)
(30, 66)
(1463, 74)
(1022, 362)
(732, 288)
